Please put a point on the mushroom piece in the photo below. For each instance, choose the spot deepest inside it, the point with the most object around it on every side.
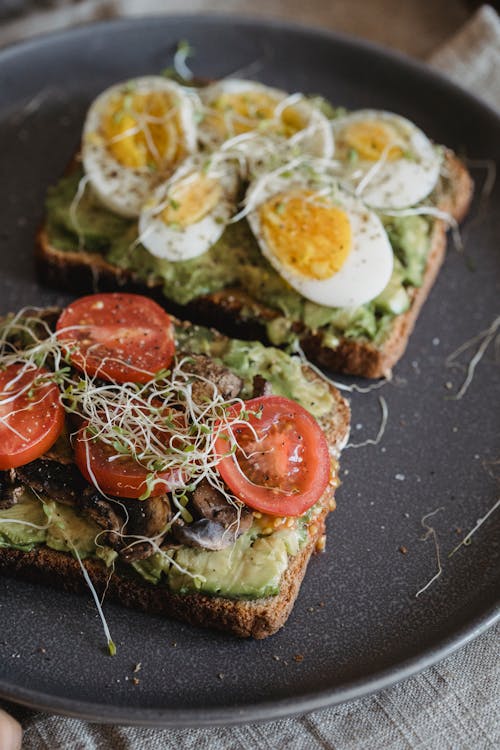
(136, 551)
(221, 379)
(64, 484)
(9, 490)
(217, 523)
(103, 514)
(209, 503)
(60, 482)
(261, 386)
(203, 533)
(147, 518)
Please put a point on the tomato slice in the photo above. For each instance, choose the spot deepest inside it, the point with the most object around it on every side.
(123, 477)
(287, 468)
(31, 415)
(118, 337)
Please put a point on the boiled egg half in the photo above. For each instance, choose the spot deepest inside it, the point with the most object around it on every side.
(188, 214)
(324, 242)
(236, 107)
(387, 161)
(135, 135)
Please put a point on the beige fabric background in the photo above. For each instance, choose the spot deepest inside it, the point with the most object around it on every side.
(472, 57)
(452, 706)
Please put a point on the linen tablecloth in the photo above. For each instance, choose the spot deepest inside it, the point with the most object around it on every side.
(453, 705)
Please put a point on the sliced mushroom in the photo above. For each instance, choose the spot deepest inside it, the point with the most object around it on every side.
(147, 518)
(62, 450)
(136, 551)
(106, 515)
(57, 481)
(204, 534)
(221, 379)
(261, 386)
(9, 490)
(63, 483)
(217, 523)
(209, 503)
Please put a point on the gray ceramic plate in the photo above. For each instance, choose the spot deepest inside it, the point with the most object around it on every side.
(357, 623)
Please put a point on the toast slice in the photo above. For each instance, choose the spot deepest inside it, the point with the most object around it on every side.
(256, 618)
(234, 311)
(242, 617)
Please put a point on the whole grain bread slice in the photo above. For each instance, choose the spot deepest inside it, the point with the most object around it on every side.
(257, 618)
(236, 313)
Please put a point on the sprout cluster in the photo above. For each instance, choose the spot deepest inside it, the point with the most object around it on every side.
(161, 424)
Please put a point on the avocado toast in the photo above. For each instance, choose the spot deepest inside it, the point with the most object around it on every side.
(192, 550)
(91, 239)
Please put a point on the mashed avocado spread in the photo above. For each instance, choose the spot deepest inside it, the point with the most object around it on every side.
(250, 569)
(236, 261)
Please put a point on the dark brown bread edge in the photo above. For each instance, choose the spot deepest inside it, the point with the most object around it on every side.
(227, 310)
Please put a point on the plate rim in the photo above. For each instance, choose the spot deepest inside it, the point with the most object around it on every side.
(266, 710)
(350, 690)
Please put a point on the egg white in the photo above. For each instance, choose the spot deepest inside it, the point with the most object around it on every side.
(177, 243)
(123, 189)
(394, 184)
(368, 267)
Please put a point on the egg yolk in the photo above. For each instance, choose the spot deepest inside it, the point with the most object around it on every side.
(307, 233)
(143, 130)
(233, 114)
(191, 199)
(372, 139)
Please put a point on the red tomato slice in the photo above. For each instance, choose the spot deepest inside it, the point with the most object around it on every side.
(31, 416)
(118, 337)
(122, 476)
(287, 469)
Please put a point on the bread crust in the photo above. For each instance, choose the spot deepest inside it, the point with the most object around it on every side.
(228, 309)
(257, 618)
